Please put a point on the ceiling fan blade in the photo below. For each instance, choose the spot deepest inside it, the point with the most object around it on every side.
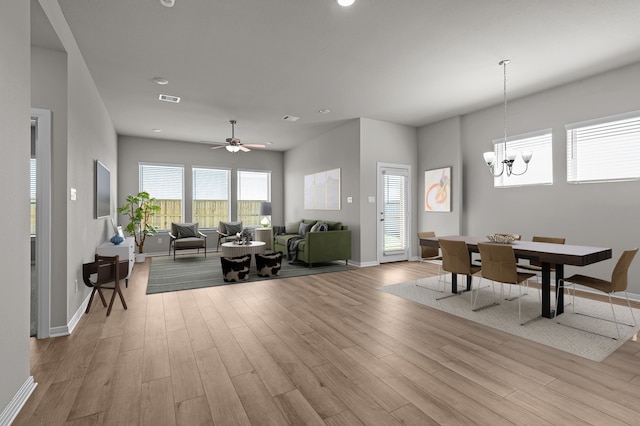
(243, 148)
(255, 145)
(219, 146)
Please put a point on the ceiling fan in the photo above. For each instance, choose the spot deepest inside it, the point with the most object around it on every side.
(234, 145)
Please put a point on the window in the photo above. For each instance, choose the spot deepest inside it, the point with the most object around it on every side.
(253, 189)
(164, 183)
(32, 191)
(210, 196)
(607, 149)
(540, 171)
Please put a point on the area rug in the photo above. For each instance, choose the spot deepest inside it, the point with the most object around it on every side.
(196, 271)
(565, 333)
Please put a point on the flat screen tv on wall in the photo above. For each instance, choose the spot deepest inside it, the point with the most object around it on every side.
(103, 190)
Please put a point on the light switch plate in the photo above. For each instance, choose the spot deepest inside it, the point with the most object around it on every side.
(73, 194)
(349, 200)
(372, 199)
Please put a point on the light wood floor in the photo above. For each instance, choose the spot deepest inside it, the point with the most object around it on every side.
(321, 349)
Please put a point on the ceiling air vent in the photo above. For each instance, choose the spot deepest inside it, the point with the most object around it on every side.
(169, 98)
(290, 118)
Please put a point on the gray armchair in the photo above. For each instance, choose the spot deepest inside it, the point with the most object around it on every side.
(186, 236)
(227, 232)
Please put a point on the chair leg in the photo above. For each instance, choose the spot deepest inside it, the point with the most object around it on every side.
(613, 311)
(93, 293)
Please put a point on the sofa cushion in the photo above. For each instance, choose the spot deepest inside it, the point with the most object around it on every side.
(334, 226)
(236, 268)
(304, 228)
(292, 227)
(268, 265)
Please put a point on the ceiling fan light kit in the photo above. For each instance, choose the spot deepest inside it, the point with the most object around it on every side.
(234, 145)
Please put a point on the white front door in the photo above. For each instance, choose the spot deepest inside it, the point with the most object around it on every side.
(393, 212)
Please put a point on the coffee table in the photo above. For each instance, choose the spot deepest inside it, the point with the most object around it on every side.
(232, 249)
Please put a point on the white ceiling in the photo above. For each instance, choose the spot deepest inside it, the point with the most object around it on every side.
(411, 62)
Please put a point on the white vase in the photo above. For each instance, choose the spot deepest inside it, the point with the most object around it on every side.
(140, 257)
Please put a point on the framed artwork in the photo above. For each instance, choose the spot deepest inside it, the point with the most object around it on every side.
(437, 190)
(322, 190)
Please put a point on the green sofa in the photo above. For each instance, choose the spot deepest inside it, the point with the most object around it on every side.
(317, 246)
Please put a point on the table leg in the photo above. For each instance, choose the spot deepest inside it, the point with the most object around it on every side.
(559, 276)
(546, 290)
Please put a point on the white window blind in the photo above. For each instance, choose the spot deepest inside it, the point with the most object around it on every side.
(253, 188)
(210, 196)
(606, 149)
(32, 191)
(395, 205)
(165, 184)
(540, 171)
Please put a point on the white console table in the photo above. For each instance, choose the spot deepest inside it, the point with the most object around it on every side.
(125, 250)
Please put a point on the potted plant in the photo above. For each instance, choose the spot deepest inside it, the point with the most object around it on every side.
(140, 209)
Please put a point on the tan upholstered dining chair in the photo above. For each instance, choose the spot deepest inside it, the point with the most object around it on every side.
(499, 265)
(456, 258)
(617, 284)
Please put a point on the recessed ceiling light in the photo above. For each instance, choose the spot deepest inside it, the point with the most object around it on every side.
(168, 3)
(169, 98)
(290, 118)
(324, 111)
(269, 143)
(157, 130)
(345, 3)
(160, 80)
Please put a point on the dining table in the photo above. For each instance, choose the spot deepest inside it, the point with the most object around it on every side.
(548, 254)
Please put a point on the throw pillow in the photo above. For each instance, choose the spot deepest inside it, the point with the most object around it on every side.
(234, 228)
(304, 228)
(186, 231)
(292, 228)
(236, 268)
(268, 265)
(315, 226)
(323, 227)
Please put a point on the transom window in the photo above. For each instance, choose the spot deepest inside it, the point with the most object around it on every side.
(606, 149)
(210, 196)
(540, 171)
(165, 184)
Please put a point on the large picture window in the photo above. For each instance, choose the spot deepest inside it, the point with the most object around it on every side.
(253, 188)
(540, 171)
(165, 184)
(210, 196)
(606, 149)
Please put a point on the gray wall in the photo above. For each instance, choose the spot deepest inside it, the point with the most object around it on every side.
(598, 214)
(14, 186)
(356, 147)
(382, 142)
(338, 148)
(89, 136)
(134, 150)
(439, 145)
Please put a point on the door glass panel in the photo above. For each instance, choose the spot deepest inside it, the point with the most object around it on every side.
(394, 208)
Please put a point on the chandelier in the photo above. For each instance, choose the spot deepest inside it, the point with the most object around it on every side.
(509, 156)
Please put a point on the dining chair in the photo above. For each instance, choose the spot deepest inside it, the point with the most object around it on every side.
(536, 266)
(617, 284)
(430, 254)
(456, 259)
(106, 269)
(499, 265)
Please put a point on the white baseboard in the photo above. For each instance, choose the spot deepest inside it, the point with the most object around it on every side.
(66, 330)
(11, 411)
(364, 264)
